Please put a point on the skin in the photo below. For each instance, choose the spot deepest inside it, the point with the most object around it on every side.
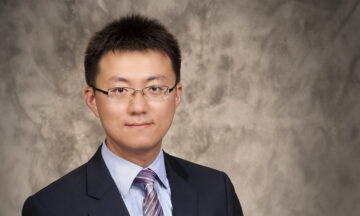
(135, 128)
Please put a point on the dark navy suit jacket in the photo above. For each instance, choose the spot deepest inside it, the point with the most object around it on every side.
(90, 190)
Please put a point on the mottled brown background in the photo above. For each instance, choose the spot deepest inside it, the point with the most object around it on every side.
(271, 96)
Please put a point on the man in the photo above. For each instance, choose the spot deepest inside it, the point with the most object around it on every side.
(132, 69)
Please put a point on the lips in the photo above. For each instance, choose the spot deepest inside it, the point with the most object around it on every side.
(139, 125)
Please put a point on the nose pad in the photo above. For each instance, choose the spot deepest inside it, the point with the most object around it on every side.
(141, 92)
(133, 95)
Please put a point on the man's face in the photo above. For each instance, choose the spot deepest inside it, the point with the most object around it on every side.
(136, 125)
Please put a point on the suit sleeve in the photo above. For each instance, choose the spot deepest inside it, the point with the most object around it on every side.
(33, 207)
(232, 201)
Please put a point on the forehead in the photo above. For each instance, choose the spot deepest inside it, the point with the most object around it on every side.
(134, 66)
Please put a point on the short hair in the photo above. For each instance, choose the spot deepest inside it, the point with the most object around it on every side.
(131, 33)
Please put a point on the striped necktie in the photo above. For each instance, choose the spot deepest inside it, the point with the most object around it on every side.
(151, 204)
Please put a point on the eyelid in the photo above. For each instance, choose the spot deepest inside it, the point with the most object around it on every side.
(121, 87)
(157, 85)
(117, 88)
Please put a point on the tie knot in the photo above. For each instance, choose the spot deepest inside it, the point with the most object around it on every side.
(145, 176)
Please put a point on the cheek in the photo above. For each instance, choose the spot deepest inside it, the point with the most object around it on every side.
(164, 113)
(111, 116)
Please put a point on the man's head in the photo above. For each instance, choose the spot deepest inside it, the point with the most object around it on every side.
(131, 33)
(134, 65)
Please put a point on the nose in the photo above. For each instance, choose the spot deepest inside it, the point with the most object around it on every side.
(137, 104)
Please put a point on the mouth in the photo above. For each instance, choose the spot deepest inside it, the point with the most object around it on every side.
(139, 125)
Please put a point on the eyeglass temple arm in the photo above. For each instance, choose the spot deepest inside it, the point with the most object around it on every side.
(171, 89)
(100, 90)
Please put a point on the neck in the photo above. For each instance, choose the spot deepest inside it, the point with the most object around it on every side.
(142, 157)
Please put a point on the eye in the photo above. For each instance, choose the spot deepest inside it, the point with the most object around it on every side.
(120, 90)
(155, 88)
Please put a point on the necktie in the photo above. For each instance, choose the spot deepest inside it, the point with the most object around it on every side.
(151, 204)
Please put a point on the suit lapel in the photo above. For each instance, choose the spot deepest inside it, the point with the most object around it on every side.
(105, 198)
(183, 196)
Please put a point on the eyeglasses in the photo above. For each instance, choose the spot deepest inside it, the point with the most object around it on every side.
(153, 92)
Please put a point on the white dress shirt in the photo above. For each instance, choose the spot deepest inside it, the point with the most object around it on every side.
(124, 172)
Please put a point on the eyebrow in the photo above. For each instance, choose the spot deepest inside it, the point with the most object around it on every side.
(118, 79)
(156, 77)
(151, 78)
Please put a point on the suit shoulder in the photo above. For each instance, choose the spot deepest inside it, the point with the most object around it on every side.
(56, 196)
(71, 182)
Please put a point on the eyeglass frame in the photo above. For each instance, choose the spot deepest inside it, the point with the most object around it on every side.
(169, 90)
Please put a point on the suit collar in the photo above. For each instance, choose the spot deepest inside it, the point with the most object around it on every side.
(102, 188)
(184, 196)
(98, 177)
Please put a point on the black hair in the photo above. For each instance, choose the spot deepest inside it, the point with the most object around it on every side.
(133, 33)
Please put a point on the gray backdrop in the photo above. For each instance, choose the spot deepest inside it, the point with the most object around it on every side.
(271, 94)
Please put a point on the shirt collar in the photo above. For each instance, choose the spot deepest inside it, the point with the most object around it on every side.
(124, 172)
(158, 166)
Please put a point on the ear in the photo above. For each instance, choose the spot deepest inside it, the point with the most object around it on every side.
(90, 99)
(178, 94)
